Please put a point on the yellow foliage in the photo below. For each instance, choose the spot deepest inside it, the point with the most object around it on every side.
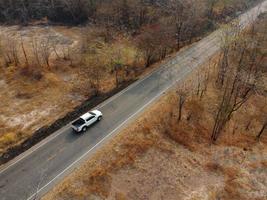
(7, 139)
(106, 54)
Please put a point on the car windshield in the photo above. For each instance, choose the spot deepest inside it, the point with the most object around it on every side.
(78, 122)
(92, 113)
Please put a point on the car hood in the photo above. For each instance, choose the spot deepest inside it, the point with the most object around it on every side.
(97, 112)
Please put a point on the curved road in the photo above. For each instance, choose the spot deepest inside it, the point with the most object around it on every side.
(36, 171)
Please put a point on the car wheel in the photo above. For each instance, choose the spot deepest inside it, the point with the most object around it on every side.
(99, 118)
(84, 129)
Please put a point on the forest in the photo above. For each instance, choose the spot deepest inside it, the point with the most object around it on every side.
(128, 14)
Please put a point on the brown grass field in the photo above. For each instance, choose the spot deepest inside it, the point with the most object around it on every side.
(157, 157)
(33, 97)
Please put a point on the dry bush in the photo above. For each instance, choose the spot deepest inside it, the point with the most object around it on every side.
(120, 196)
(23, 95)
(9, 139)
(33, 73)
(214, 167)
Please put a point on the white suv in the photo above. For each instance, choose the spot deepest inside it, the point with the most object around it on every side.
(86, 120)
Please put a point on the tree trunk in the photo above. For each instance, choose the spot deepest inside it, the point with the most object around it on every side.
(181, 103)
(262, 130)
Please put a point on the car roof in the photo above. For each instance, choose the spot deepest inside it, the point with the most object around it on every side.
(86, 116)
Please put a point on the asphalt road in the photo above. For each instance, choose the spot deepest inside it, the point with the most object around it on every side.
(39, 169)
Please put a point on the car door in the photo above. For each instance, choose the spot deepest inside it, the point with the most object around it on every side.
(90, 120)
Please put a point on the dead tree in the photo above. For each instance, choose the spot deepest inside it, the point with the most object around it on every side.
(54, 46)
(236, 93)
(10, 51)
(35, 50)
(210, 5)
(117, 66)
(205, 81)
(182, 99)
(45, 50)
(230, 36)
(223, 64)
(24, 51)
(182, 95)
(239, 82)
(262, 129)
(95, 72)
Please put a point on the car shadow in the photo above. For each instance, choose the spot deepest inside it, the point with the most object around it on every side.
(72, 135)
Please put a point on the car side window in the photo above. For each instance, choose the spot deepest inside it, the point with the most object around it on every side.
(90, 118)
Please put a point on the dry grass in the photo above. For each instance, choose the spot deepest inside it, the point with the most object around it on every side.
(32, 97)
(27, 105)
(159, 158)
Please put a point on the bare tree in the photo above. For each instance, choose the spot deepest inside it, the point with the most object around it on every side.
(230, 103)
(262, 129)
(182, 99)
(35, 50)
(146, 42)
(117, 66)
(230, 35)
(155, 41)
(205, 82)
(45, 50)
(239, 83)
(10, 50)
(95, 73)
(182, 94)
(24, 51)
(187, 18)
(210, 5)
